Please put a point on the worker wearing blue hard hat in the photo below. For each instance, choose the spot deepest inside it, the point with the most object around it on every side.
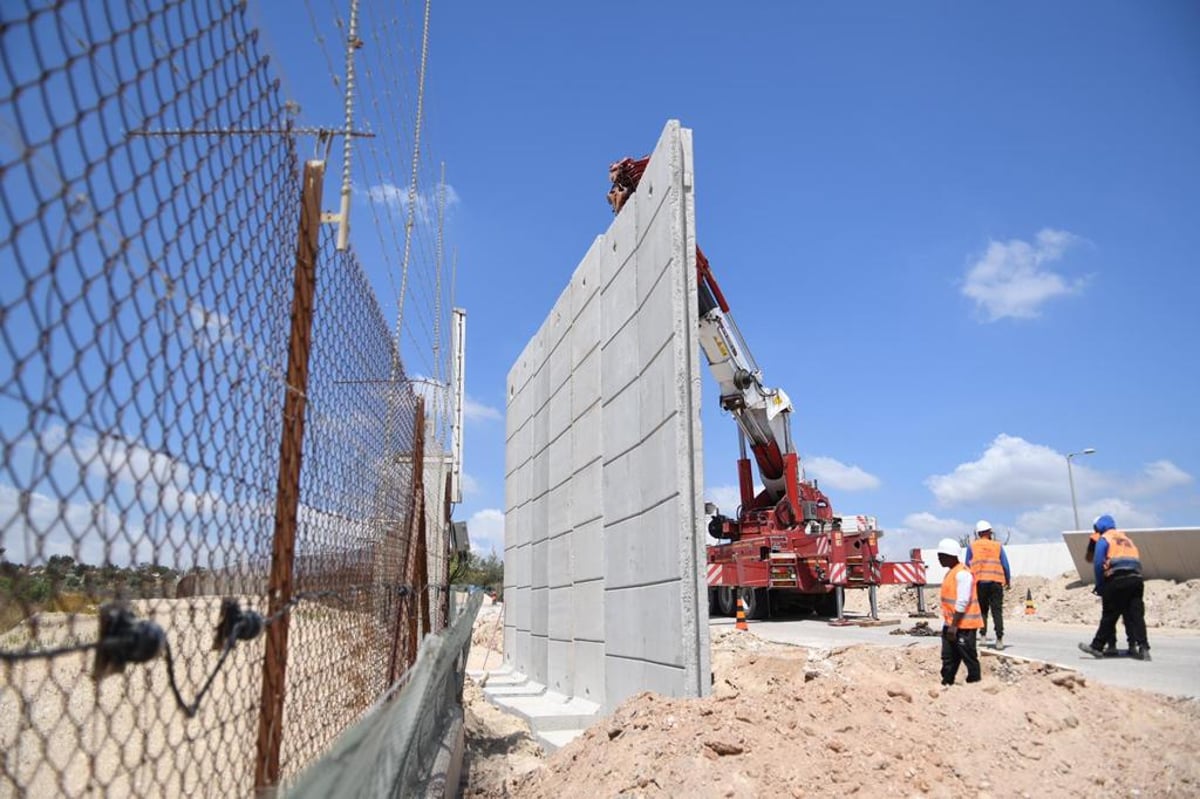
(1118, 570)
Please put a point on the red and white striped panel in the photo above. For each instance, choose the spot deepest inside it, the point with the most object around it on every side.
(714, 573)
(907, 573)
(837, 573)
(823, 545)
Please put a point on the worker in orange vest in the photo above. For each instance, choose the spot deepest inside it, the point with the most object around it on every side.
(961, 616)
(989, 563)
(1118, 569)
(1110, 646)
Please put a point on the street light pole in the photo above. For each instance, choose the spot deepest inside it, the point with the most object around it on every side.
(1071, 480)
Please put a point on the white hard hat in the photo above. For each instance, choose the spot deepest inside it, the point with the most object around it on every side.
(948, 546)
(982, 526)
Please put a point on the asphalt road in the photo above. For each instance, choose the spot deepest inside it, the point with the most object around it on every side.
(1174, 670)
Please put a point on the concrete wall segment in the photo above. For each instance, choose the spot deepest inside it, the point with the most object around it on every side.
(606, 484)
(1167, 553)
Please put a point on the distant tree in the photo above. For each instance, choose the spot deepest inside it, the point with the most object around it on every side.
(471, 569)
(59, 565)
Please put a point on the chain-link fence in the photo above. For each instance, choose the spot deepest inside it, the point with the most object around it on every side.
(212, 487)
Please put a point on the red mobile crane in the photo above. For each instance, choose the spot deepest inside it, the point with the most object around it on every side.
(785, 540)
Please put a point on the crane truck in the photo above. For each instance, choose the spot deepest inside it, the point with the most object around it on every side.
(784, 543)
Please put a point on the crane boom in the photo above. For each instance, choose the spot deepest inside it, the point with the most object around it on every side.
(763, 414)
(783, 541)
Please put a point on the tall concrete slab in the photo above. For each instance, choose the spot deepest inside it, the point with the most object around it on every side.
(1167, 553)
(604, 532)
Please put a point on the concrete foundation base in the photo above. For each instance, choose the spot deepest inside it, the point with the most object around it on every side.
(555, 719)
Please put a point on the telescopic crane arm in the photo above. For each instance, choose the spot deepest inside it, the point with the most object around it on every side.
(763, 414)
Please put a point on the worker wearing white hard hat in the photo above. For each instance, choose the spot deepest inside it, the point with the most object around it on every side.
(961, 616)
(988, 561)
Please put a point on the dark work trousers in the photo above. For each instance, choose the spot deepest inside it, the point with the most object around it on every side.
(1122, 597)
(991, 595)
(956, 650)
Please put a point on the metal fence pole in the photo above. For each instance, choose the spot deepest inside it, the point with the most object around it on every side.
(287, 499)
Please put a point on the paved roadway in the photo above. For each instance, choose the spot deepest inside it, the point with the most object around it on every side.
(1174, 670)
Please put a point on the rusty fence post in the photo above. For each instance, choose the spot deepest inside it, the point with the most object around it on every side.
(404, 645)
(287, 498)
(444, 543)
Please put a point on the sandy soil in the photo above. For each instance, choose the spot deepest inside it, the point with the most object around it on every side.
(789, 721)
(1060, 599)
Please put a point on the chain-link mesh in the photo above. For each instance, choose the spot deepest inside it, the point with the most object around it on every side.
(145, 313)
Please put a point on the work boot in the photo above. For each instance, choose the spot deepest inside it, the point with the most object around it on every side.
(1111, 649)
(1091, 650)
(999, 643)
(1139, 652)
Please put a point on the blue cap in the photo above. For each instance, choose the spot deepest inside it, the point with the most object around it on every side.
(1104, 523)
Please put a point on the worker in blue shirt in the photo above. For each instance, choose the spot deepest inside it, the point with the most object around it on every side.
(988, 561)
(1119, 583)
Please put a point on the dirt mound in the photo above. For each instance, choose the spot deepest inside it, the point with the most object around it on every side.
(489, 628)
(789, 721)
(1063, 599)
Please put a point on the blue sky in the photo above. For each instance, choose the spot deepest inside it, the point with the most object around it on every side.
(962, 238)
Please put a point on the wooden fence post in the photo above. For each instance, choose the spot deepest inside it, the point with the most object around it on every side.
(287, 497)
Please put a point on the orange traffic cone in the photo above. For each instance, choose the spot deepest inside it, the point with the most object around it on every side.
(1030, 608)
(741, 616)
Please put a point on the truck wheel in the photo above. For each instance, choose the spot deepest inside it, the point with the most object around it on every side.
(757, 602)
(725, 600)
(714, 603)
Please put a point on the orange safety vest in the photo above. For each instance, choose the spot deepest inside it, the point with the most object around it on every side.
(972, 619)
(985, 561)
(1122, 556)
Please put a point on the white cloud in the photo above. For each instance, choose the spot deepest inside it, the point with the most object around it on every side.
(485, 528)
(398, 198)
(1012, 472)
(837, 475)
(928, 525)
(470, 486)
(1049, 521)
(725, 497)
(1158, 477)
(922, 530)
(39, 526)
(147, 500)
(209, 327)
(1016, 474)
(1012, 279)
(475, 411)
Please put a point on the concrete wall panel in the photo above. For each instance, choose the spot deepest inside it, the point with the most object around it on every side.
(1169, 553)
(639, 549)
(560, 657)
(587, 549)
(588, 610)
(603, 458)
(620, 672)
(589, 670)
(560, 573)
(644, 622)
(562, 611)
(585, 495)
